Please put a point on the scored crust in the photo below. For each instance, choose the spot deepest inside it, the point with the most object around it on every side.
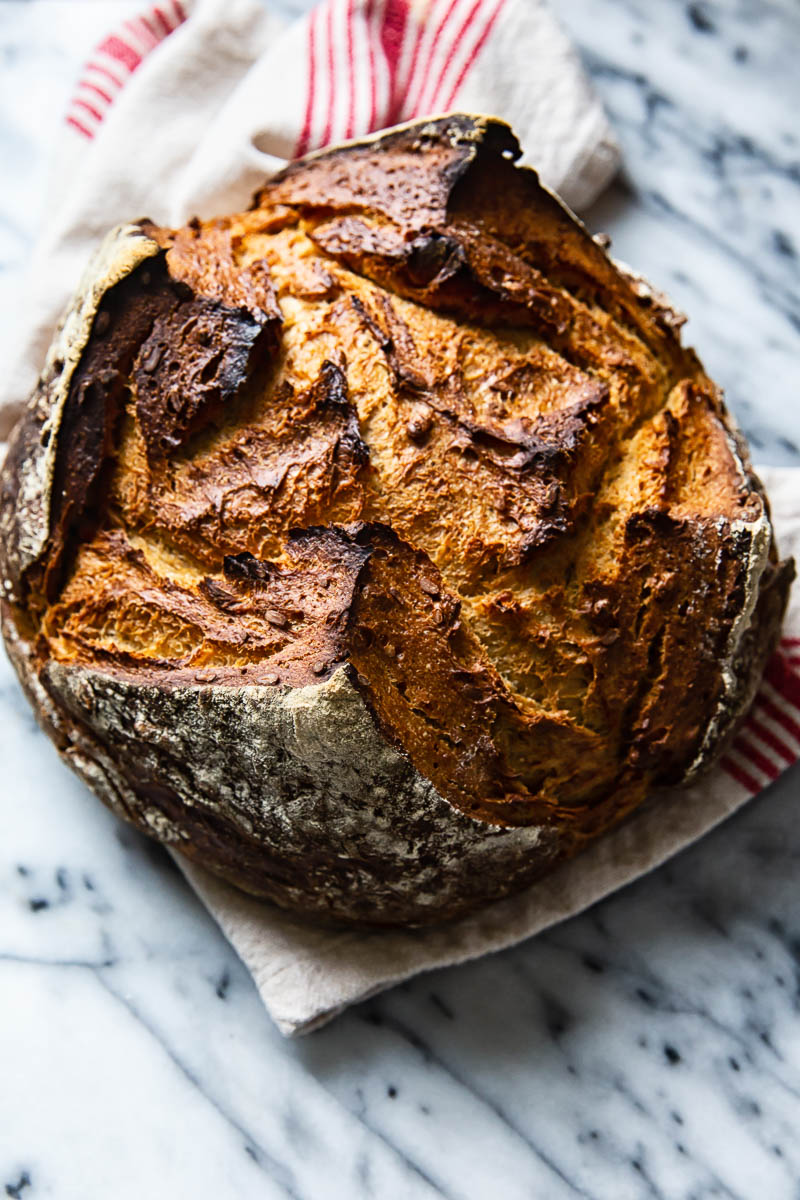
(381, 546)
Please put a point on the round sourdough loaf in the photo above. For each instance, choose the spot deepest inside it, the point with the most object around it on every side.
(381, 546)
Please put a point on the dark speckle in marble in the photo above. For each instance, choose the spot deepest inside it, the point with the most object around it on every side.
(22, 1183)
(784, 244)
(223, 983)
(699, 17)
(593, 964)
(444, 1009)
(557, 1016)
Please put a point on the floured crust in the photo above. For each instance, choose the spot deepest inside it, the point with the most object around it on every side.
(230, 774)
(381, 546)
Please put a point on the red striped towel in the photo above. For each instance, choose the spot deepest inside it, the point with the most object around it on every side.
(416, 63)
(114, 60)
(769, 740)
(352, 66)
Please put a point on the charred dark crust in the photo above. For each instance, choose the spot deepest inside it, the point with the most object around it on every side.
(189, 356)
(198, 358)
(26, 482)
(425, 183)
(330, 392)
(86, 437)
(426, 160)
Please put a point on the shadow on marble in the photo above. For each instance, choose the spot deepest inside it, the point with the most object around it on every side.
(612, 206)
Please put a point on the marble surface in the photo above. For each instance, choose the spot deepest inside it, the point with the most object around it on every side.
(649, 1048)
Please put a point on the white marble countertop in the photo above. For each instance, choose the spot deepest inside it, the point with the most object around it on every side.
(651, 1047)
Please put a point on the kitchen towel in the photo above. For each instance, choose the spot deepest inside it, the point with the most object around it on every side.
(185, 109)
(188, 107)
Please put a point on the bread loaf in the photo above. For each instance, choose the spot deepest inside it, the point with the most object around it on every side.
(381, 546)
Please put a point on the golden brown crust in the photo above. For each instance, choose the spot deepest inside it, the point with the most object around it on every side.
(403, 424)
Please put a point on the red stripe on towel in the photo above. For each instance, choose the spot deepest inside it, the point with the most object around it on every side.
(784, 679)
(415, 101)
(305, 132)
(122, 51)
(98, 116)
(769, 738)
(448, 103)
(127, 48)
(740, 775)
(784, 719)
(80, 128)
(393, 30)
(98, 91)
(755, 757)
